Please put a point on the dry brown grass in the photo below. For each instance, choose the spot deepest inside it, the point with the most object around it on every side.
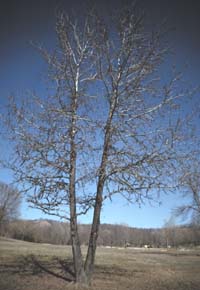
(28, 266)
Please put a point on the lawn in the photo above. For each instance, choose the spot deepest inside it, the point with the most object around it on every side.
(29, 266)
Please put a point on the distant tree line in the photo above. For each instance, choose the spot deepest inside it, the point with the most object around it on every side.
(48, 231)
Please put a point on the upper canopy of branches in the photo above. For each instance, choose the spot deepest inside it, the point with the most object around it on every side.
(108, 109)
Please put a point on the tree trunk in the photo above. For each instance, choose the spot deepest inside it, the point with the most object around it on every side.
(90, 259)
(79, 272)
(76, 248)
(89, 263)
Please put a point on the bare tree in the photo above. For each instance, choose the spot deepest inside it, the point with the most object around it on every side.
(169, 232)
(190, 189)
(10, 201)
(108, 126)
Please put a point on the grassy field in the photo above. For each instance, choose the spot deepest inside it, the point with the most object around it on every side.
(29, 266)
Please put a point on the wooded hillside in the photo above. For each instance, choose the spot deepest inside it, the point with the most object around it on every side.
(54, 232)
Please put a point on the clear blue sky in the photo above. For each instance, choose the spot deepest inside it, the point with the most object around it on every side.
(21, 69)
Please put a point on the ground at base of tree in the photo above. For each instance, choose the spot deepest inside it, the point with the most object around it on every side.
(29, 266)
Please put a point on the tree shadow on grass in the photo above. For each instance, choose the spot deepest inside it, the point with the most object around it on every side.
(34, 265)
(59, 268)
